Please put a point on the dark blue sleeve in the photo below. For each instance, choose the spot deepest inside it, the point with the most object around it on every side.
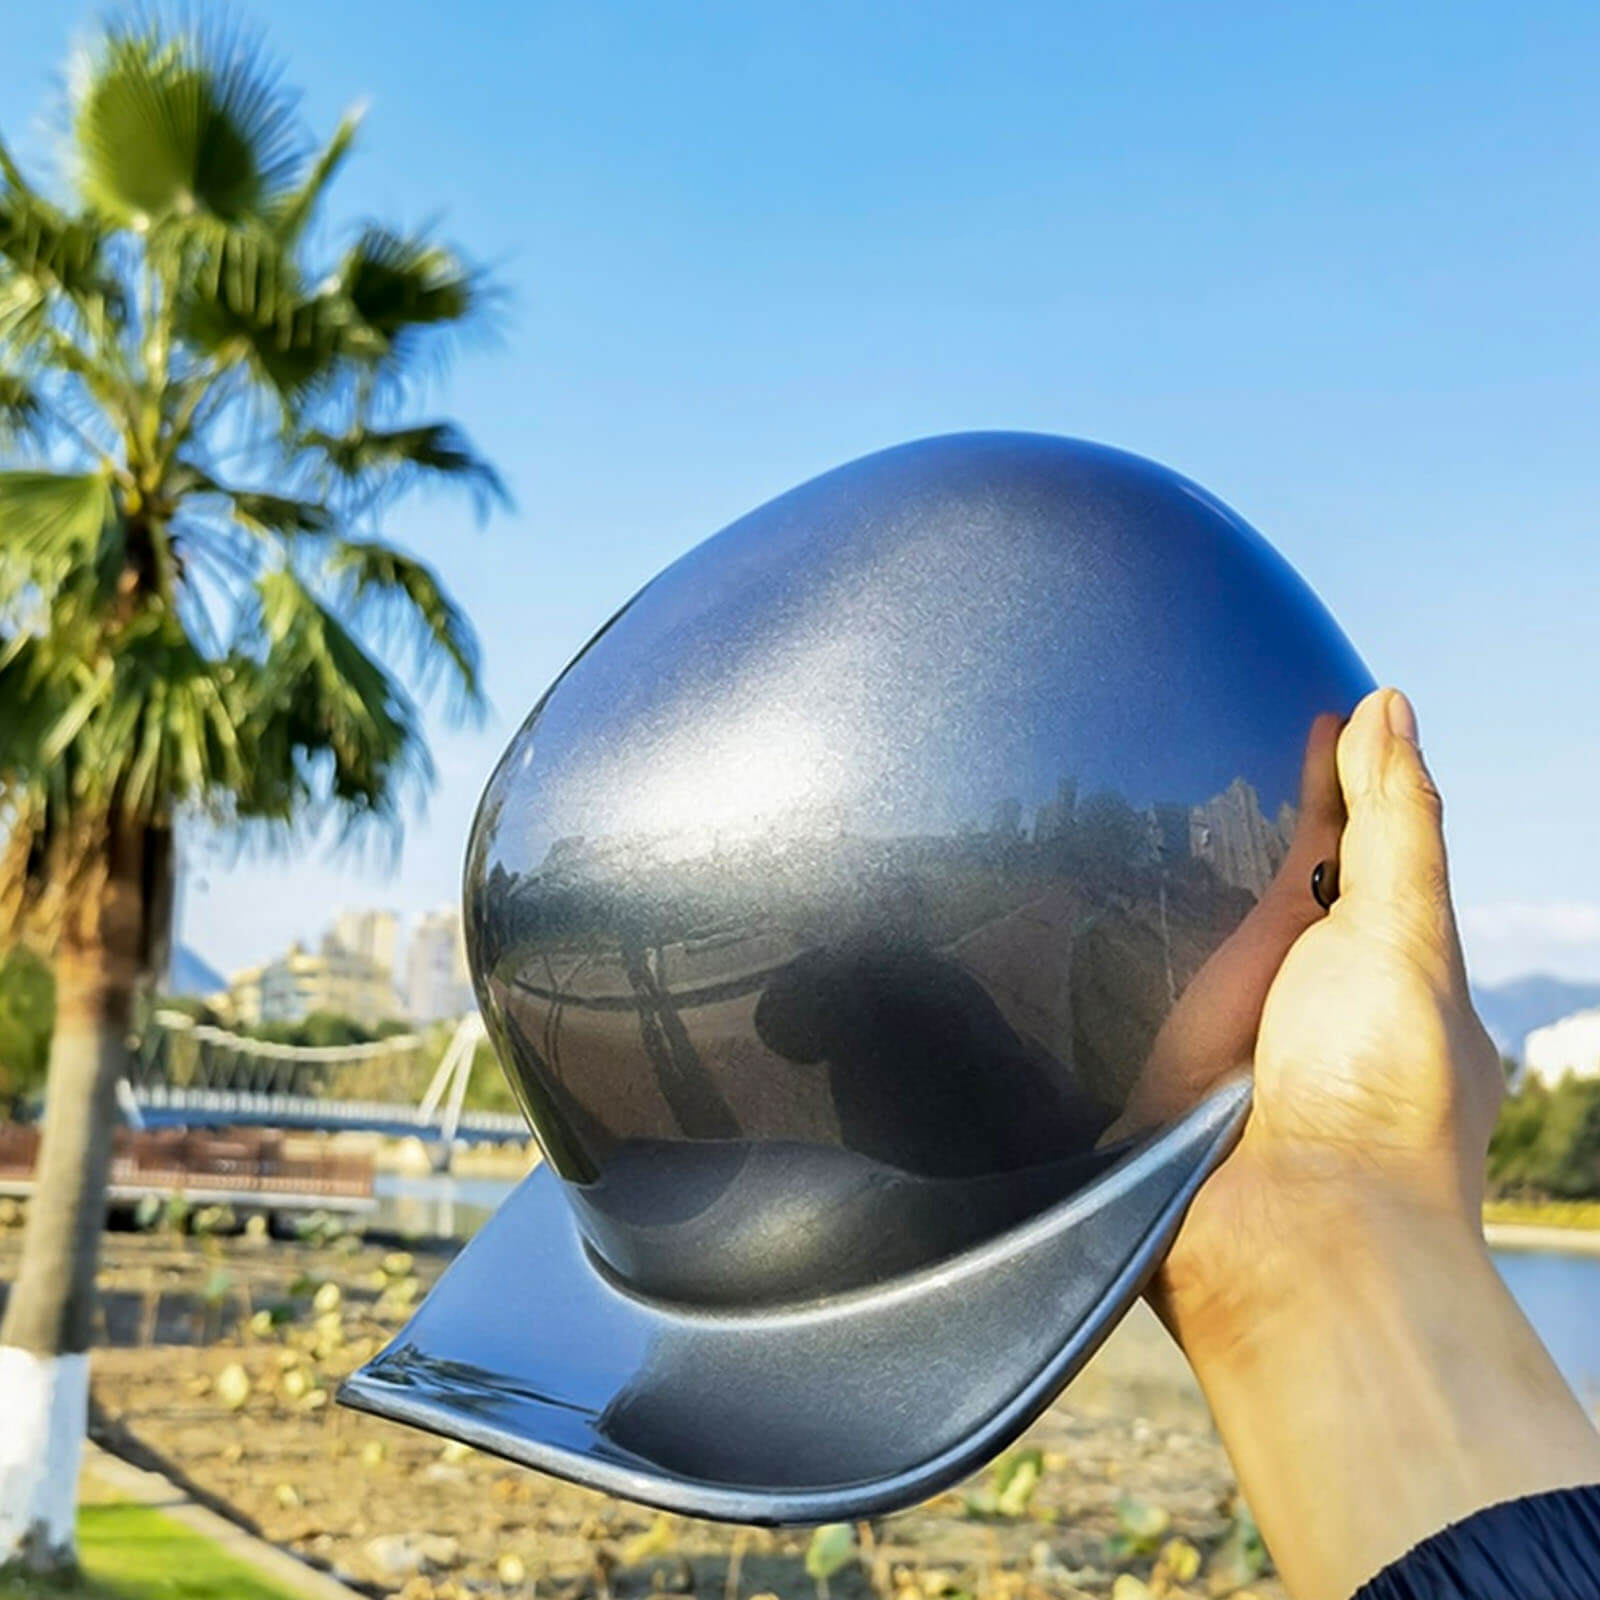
(1546, 1547)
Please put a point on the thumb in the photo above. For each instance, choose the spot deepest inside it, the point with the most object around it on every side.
(1393, 871)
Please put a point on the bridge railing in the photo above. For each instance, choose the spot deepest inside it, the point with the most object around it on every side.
(176, 1050)
(194, 1074)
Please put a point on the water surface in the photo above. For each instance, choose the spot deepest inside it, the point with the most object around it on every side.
(1561, 1295)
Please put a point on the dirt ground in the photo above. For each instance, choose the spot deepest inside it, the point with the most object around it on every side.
(220, 1360)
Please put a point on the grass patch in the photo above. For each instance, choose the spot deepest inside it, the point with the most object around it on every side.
(131, 1552)
(1544, 1213)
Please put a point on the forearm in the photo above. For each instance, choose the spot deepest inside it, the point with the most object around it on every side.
(1391, 1386)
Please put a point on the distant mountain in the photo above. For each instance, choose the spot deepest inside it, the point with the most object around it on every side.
(190, 975)
(1512, 1010)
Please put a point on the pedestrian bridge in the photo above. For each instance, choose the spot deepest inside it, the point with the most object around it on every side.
(189, 1074)
(162, 1107)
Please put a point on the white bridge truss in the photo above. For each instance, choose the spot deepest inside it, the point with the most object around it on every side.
(197, 1075)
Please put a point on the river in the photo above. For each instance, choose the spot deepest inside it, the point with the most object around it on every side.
(1560, 1292)
(441, 1206)
(1561, 1295)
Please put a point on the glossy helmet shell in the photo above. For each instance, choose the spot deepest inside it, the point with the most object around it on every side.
(828, 909)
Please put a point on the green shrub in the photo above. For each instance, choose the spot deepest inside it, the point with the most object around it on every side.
(1547, 1142)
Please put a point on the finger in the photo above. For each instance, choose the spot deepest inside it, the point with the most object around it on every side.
(1393, 868)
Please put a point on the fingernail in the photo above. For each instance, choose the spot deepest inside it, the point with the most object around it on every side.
(1402, 718)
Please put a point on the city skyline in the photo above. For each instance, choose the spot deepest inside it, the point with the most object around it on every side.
(368, 964)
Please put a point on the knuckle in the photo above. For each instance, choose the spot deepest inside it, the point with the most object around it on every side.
(1422, 794)
(1430, 799)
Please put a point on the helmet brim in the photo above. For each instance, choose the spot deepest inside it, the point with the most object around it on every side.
(840, 1408)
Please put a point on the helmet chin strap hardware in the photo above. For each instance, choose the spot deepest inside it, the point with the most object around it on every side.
(1325, 884)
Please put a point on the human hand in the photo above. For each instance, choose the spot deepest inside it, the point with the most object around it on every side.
(1371, 1376)
(1376, 1086)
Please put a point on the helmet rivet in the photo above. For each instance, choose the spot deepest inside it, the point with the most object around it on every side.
(1325, 883)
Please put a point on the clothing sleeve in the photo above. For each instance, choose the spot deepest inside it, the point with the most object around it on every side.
(1546, 1547)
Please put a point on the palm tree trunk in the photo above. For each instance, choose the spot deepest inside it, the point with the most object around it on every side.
(48, 1326)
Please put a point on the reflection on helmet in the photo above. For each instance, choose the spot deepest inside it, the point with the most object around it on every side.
(851, 1009)
(898, 856)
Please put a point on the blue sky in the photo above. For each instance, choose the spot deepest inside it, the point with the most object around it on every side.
(1339, 264)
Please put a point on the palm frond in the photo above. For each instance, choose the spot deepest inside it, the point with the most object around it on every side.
(54, 526)
(193, 122)
(145, 726)
(259, 510)
(170, 727)
(247, 294)
(243, 264)
(22, 412)
(32, 696)
(404, 601)
(278, 513)
(396, 458)
(246, 302)
(323, 701)
(291, 356)
(292, 214)
(46, 249)
(31, 330)
(400, 285)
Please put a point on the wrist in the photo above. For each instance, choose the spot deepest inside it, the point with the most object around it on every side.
(1287, 1269)
(1373, 1381)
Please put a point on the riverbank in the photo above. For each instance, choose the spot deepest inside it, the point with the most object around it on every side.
(221, 1358)
(1521, 1236)
(1567, 1227)
(507, 1162)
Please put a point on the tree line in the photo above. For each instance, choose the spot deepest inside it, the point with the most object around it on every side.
(1547, 1142)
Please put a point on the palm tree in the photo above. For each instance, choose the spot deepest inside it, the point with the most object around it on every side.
(206, 406)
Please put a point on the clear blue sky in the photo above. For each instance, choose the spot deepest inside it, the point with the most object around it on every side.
(1340, 264)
